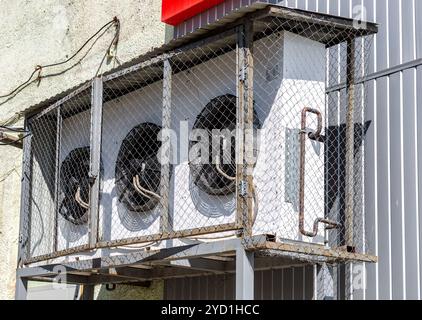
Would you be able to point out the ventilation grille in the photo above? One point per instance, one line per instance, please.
(138, 158)
(219, 115)
(74, 186)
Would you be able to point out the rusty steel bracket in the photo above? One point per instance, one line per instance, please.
(316, 136)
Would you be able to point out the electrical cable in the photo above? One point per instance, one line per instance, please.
(142, 246)
(221, 172)
(79, 200)
(144, 192)
(114, 42)
(39, 68)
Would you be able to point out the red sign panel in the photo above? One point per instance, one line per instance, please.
(176, 11)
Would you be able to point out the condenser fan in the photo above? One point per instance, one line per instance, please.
(74, 186)
(217, 177)
(138, 170)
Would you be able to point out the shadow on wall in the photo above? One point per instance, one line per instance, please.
(127, 292)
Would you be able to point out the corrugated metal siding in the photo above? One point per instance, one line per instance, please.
(393, 185)
(282, 284)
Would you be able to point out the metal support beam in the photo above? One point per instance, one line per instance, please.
(244, 274)
(21, 289)
(324, 282)
(200, 264)
(165, 220)
(249, 125)
(240, 125)
(25, 200)
(95, 152)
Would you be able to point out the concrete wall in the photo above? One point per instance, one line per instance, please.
(44, 32)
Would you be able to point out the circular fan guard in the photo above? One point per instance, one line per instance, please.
(74, 184)
(138, 157)
(220, 114)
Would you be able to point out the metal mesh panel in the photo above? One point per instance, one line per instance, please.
(204, 109)
(43, 190)
(58, 169)
(131, 205)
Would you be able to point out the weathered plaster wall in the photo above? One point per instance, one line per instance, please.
(10, 174)
(37, 32)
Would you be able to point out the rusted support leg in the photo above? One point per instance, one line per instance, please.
(244, 135)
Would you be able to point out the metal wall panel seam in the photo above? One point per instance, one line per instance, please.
(376, 190)
(402, 184)
(417, 184)
(389, 189)
(376, 218)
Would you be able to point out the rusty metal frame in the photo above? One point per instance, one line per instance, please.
(184, 261)
(350, 145)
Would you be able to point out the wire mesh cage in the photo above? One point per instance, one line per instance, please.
(131, 203)
(256, 129)
(57, 166)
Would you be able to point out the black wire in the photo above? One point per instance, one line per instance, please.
(14, 142)
(17, 88)
(83, 46)
(13, 129)
(114, 41)
(39, 67)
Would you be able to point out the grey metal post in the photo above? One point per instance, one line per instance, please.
(324, 282)
(21, 289)
(21, 285)
(244, 274)
(57, 177)
(24, 241)
(95, 152)
(165, 221)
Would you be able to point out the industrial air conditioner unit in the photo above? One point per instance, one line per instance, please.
(200, 195)
(300, 187)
